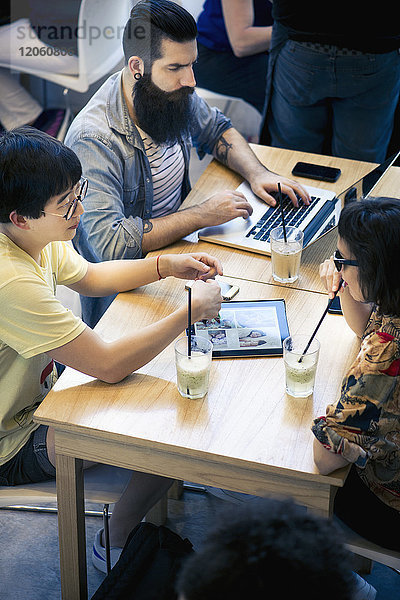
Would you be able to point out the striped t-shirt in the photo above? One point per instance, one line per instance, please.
(167, 170)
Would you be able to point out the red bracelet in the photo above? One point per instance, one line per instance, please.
(158, 270)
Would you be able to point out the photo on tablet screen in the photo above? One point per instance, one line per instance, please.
(252, 328)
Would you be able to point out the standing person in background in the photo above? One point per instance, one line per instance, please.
(333, 78)
(233, 43)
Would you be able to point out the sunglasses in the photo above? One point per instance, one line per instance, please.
(340, 261)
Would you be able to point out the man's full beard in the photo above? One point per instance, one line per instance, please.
(165, 116)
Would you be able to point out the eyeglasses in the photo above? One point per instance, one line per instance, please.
(79, 197)
(340, 261)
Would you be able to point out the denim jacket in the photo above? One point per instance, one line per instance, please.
(120, 192)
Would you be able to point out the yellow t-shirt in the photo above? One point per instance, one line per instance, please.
(32, 322)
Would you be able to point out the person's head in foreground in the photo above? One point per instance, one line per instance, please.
(160, 49)
(369, 250)
(40, 186)
(268, 549)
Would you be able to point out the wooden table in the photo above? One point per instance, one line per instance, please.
(246, 435)
(256, 267)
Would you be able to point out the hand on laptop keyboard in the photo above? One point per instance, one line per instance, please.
(272, 217)
(224, 206)
(265, 183)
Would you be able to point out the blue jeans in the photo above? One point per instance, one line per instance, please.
(31, 464)
(225, 73)
(326, 101)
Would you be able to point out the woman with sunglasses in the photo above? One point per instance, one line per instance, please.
(363, 427)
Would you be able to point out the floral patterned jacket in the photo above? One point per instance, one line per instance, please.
(364, 424)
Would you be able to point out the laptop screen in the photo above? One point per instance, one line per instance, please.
(365, 186)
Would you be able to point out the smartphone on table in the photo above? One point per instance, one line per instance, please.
(335, 308)
(311, 171)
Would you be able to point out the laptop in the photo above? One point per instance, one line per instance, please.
(317, 219)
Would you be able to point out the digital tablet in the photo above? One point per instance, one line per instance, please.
(246, 328)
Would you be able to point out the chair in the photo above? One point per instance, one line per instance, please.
(103, 484)
(245, 118)
(370, 551)
(100, 28)
(68, 297)
(98, 55)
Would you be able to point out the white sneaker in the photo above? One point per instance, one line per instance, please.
(362, 589)
(99, 554)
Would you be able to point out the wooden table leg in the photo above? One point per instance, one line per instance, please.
(159, 513)
(71, 527)
(175, 492)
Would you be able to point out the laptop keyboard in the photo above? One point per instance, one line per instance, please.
(272, 217)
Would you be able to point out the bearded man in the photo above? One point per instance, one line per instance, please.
(134, 137)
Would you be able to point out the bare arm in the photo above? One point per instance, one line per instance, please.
(112, 277)
(112, 361)
(233, 151)
(244, 38)
(162, 231)
(327, 461)
(219, 208)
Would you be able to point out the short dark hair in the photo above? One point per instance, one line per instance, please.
(267, 548)
(150, 22)
(371, 230)
(34, 167)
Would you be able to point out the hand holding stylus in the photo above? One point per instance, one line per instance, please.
(331, 278)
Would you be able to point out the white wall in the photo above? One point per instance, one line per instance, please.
(193, 6)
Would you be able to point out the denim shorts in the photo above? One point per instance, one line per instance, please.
(31, 464)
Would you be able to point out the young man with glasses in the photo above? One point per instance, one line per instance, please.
(78, 195)
(42, 192)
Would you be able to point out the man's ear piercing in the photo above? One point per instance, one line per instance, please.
(137, 76)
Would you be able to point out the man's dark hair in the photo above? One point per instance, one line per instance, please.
(371, 230)
(265, 550)
(150, 22)
(34, 167)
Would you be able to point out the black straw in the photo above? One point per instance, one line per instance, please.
(281, 209)
(189, 335)
(189, 289)
(318, 326)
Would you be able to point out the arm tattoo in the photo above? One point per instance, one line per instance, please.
(147, 226)
(222, 149)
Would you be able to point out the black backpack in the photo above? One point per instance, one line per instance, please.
(148, 566)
